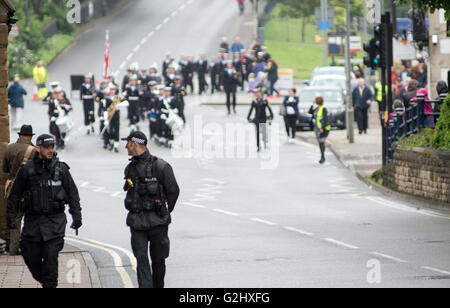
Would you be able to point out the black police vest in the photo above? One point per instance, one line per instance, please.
(45, 194)
(145, 193)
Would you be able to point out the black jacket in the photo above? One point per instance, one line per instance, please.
(260, 107)
(46, 187)
(136, 170)
(87, 94)
(359, 101)
(230, 81)
(293, 104)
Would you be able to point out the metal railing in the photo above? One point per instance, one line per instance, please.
(409, 121)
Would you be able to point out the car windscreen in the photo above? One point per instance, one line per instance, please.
(308, 96)
(331, 71)
(340, 83)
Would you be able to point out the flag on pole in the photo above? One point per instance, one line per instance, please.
(106, 65)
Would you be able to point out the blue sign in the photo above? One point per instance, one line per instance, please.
(324, 25)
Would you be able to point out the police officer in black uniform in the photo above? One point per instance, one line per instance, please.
(46, 186)
(152, 192)
(87, 97)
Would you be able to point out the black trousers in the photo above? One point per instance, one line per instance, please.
(231, 95)
(202, 83)
(41, 259)
(89, 112)
(362, 119)
(261, 128)
(290, 121)
(157, 241)
(134, 113)
(54, 130)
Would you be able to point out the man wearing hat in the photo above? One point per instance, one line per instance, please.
(229, 83)
(46, 186)
(17, 154)
(152, 192)
(179, 92)
(87, 97)
(166, 64)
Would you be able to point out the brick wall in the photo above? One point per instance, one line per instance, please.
(6, 10)
(420, 172)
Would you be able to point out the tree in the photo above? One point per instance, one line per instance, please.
(299, 9)
(433, 5)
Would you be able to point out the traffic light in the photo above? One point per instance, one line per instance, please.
(369, 48)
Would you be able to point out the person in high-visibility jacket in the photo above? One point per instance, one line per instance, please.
(379, 95)
(40, 76)
(322, 124)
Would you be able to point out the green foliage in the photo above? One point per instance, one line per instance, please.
(30, 44)
(431, 4)
(420, 140)
(377, 176)
(441, 138)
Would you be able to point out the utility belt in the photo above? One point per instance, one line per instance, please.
(88, 97)
(33, 205)
(133, 98)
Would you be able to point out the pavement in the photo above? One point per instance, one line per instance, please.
(76, 270)
(244, 219)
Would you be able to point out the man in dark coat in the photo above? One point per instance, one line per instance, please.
(16, 155)
(362, 98)
(152, 192)
(229, 83)
(15, 97)
(46, 186)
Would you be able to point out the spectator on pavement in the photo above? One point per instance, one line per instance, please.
(272, 70)
(362, 98)
(410, 92)
(441, 88)
(429, 120)
(15, 97)
(40, 76)
(225, 48)
(237, 46)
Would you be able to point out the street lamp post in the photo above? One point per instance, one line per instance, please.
(349, 112)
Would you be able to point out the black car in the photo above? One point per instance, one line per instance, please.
(334, 101)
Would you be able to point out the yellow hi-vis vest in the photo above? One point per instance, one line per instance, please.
(379, 88)
(320, 119)
(40, 75)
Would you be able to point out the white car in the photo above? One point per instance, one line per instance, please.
(333, 81)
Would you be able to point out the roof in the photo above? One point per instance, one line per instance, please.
(8, 5)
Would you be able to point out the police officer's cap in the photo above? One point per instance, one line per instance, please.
(88, 76)
(138, 137)
(134, 77)
(45, 140)
(152, 83)
(257, 90)
(177, 77)
(54, 84)
(168, 89)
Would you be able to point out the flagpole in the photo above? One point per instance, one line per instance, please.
(106, 55)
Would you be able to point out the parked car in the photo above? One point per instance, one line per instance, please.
(334, 102)
(329, 70)
(339, 81)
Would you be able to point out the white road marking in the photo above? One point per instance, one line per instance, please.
(129, 56)
(225, 212)
(128, 253)
(144, 40)
(298, 231)
(213, 180)
(182, 7)
(339, 243)
(435, 270)
(175, 13)
(84, 184)
(405, 208)
(194, 205)
(388, 257)
(166, 20)
(123, 65)
(116, 194)
(263, 221)
(117, 262)
(158, 27)
(150, 34)
(136, 49)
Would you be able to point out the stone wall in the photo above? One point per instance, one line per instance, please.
(6, 11)
(420, 172)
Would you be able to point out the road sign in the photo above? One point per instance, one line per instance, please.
(285, 80)
(330, 15)
(355, 44)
